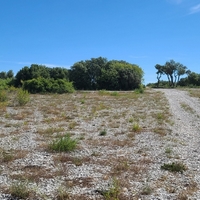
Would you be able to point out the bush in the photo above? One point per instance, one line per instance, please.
(3, 96)
(42, 85)
(140, 90)
(23, 97)
(5, 83)
(63, 144)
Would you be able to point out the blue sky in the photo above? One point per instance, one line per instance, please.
(62, 32)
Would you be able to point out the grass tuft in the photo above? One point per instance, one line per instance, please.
(63, 144)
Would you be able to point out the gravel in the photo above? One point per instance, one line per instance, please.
(140, 158)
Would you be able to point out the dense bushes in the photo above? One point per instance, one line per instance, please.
(40, 71)
(43, 85)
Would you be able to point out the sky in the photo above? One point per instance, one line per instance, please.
(59, 33)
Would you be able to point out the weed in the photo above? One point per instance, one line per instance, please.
(147, 190)
(19, 190)
(130, 120)
(168, 150)
(136, 127)
(6, 156)
(50, 131)
(114, 94)
(82, 101)
(63, 194)
(187, 108)
(63, 144)
(72, 125)
(113, 192)
(103, 132)
(174, 167)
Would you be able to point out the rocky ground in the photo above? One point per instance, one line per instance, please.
(127, 144)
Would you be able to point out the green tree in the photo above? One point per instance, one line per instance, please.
(10, 74)
(159, 73)
(98, 73)
(3, 75)
(22, 75)
(173, 70)
(59, 73)
(79, 76)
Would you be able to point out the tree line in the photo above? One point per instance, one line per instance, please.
(94, 74)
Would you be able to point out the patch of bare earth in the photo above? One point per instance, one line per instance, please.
(123, 140)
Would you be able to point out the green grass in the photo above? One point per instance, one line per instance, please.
(63, 144)
(113, 192)
(136, 127)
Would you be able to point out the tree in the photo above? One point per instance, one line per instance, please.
(173, 70)
(22, 75)
(98, 73)
(159, 73)
(10, 74)
(3, 75)
(59, 73)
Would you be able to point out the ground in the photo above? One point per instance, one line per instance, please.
(130, 145)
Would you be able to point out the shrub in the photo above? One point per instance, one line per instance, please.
(140, 90)
(43, 85)
(63, 144)
(23, 97)
(3, 96)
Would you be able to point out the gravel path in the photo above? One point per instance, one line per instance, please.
(186, 116)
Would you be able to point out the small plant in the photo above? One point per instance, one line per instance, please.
(168, 150)
(63, 144)
(174, 167)
(113, 192)
(62, 194)
(140, 90)
(23, 97)
(72, 125)
(136, 127)
(114, 94)
(7, 157)
(82, 101)
(130, 120)
(147, 190)
(19, 190)
(103, 133)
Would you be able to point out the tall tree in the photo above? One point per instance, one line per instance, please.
(173, 70)
(159, 73)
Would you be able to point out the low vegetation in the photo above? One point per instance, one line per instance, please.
(174, 167)
(63, 144)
